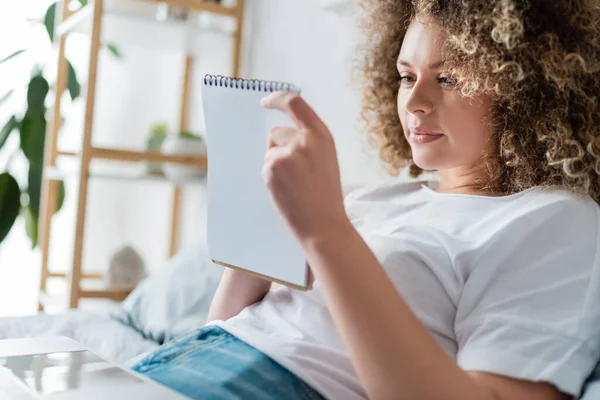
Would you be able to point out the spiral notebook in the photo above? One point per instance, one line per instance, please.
(244, 229)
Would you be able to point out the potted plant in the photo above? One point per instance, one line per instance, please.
(154, 142)
(187, 143)
(24, 197)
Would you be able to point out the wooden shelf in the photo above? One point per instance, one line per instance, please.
(182, 36)
(207, 23)
(199, 5)
(116, 294)
(55, 173)
(85, 275)
(137, 156)
(91, 286)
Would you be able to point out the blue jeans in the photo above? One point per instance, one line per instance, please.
(211, 364)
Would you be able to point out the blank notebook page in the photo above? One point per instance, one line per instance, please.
(244, 229)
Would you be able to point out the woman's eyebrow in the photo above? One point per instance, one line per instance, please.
(433, 65)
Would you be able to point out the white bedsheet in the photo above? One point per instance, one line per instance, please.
(98, 331)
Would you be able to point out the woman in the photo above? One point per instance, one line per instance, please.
(484, 286)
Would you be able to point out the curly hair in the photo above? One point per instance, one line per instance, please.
(538, 60)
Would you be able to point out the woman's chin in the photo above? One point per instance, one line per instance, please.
(427, 162)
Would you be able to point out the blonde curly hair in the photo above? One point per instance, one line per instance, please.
(538, 60)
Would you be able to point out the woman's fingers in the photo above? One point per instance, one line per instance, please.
(276, 152)
(295, 106)
(281, 136)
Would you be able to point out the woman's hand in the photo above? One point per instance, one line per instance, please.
(301, 171)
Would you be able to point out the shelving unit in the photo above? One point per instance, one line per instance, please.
(61, 173)
(144, 31)
(120, 27)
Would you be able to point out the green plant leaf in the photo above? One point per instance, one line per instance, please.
(49, 20)
(83, 2)
(36, 93)
(34, 190)
(31, 212)
(16, 53)
(31, 226)
(114, 50)
(10, 126)
(72, 84)
(34, 187)
(190, 135)
(160, 128)
(60, 193)
(6, 96)
(33, 135)
(10, 203)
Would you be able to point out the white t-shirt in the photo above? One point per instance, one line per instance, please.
(509, 285)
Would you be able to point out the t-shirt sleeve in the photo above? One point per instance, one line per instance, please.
(530, 307)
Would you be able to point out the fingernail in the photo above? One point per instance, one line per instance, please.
(263, 101)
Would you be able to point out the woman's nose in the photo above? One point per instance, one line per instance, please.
(420, 99)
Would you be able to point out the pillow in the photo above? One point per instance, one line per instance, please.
(174, 299)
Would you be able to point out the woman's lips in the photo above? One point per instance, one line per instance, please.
(422, 136)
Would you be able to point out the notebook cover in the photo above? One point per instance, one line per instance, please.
(244, 230)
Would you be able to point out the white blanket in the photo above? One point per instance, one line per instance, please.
(98, 331)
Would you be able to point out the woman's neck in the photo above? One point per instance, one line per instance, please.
(461, 179)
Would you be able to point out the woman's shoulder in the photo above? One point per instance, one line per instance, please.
(556, 212)
(560, 201)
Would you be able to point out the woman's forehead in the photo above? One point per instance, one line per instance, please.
(423, 42)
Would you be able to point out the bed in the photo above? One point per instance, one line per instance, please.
(171, 301)
(99, 331)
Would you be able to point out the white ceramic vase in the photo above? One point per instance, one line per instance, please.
(174, 144)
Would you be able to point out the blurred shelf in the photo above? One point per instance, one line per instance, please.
(91, 288)
(137, 156)
(116, 293)
(121, 27)
(56, 300)
(55, 173)
(199, 5)
(207, 26)
(85, 275)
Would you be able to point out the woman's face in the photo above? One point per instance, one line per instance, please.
(445, 129)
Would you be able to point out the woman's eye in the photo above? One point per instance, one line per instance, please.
(406, 79)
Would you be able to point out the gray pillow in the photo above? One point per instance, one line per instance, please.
(176, 298)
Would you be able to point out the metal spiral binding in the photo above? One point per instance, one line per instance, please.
(249, 84)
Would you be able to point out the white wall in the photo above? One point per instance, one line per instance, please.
(300, 42)
(289, 41)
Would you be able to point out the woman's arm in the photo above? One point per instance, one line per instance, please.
(393, 353)
(236, 291)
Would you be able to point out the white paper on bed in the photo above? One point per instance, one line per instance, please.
(244, 229)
